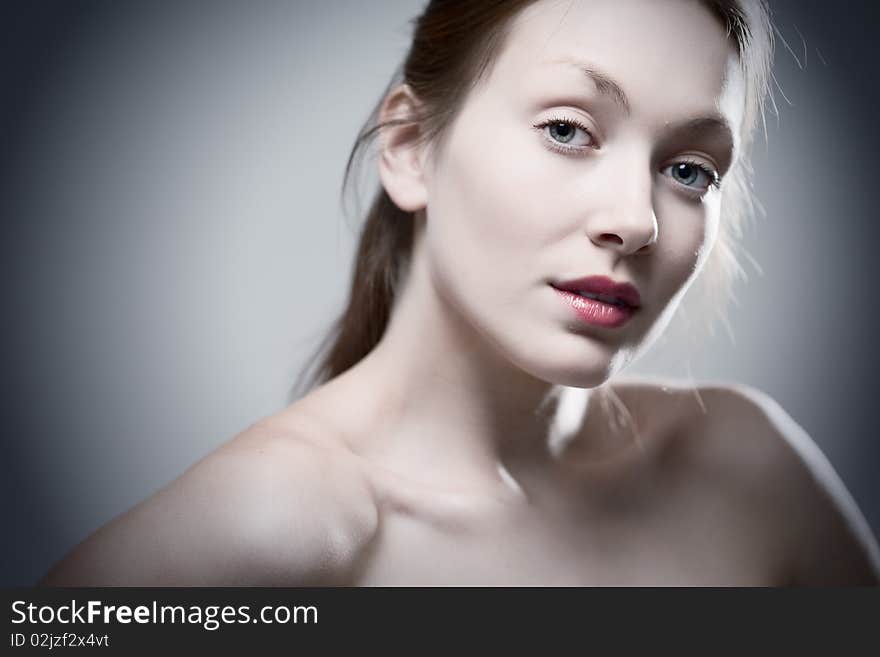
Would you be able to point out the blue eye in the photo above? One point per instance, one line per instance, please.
(689, 172)
(560, 132)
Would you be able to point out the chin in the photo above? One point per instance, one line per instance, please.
(582, 379)
(585, 367)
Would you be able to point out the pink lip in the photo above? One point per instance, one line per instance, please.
(625, 292)
(595, 312)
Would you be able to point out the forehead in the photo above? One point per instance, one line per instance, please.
(671, 58)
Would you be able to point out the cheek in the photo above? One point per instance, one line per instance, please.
(484, 213)
(687, 233)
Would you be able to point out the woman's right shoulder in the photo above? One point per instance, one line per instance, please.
(278, 504)
(299, 495)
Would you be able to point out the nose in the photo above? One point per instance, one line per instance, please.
(625, 222)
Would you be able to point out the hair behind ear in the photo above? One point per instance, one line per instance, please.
(381, 262)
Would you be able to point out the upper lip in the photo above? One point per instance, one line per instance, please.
(622, 291)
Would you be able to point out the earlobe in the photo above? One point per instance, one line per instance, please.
(400, 156)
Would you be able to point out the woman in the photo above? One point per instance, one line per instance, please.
(552, 176)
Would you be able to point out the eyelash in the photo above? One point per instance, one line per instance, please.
(558, 147)
(714, 179)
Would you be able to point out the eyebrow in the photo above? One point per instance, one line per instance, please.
(609, 87)
(605, 84)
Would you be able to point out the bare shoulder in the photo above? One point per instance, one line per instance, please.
(743, 441)
(276, 505)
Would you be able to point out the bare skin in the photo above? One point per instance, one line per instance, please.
(445, 456)
(721, 497)
(700, 487)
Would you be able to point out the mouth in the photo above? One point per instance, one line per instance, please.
(596, 312)
(610, 306)
(604, 290)
(604, 298)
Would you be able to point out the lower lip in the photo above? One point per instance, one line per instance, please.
(596, 313)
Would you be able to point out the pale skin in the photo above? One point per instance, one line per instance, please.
(446, 456)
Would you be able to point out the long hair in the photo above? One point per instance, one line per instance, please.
(454, 45)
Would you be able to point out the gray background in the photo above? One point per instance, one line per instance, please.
(174, 247)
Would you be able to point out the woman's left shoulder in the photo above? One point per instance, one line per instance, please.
(745, 438)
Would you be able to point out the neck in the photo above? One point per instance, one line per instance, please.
(447, 408)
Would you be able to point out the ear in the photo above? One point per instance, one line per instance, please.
(401, 167)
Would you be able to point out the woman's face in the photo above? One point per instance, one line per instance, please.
(589, 150)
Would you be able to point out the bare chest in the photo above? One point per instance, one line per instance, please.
(690, 542)
(663, 518)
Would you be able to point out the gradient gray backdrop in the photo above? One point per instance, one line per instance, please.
(174, 244)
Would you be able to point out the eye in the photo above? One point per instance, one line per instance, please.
(561, 135)
(694, 175)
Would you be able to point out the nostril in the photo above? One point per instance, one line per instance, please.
(611, 237)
